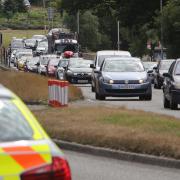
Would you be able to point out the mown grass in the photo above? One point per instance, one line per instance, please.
(31, 87)
(8, 34)
(121, 129)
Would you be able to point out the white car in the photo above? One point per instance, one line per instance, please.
(39, 37)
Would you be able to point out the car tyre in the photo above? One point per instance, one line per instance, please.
(148, 97)
(166, 102)
(100, 97)
(141, 98)
(92, 89)
(173, 105)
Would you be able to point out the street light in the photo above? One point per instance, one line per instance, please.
(161, 7)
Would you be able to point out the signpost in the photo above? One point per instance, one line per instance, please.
(51, 15)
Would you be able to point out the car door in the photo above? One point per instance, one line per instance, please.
(168, 81)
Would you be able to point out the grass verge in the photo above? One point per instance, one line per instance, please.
(121, 129)
(31, 87)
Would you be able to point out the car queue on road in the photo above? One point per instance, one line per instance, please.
(126, 76)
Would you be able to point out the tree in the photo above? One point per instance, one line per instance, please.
(9, 8)
(171, 28)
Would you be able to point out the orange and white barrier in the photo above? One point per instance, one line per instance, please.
(58, 93)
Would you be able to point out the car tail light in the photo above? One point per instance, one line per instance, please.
(58, 170)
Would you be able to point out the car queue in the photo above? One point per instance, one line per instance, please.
(111, 74)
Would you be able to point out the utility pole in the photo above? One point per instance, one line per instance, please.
(44, 7)
(118, 43)
(161, 7)
(78, 25)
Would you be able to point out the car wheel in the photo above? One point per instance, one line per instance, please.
(148, 97)
(158, 86)
(92, 89)
(100, 97)
(173, 105)
(141, 98)
(166, 102)
(97, 96)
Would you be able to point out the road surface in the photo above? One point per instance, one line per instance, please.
(88, 167)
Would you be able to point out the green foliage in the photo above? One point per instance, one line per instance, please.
(89, 36)
(171, 27)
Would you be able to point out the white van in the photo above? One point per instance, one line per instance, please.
(100, 56)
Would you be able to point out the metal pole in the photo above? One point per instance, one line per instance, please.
(118, 36)
(161, 7)
(78, 24)
(44, 7)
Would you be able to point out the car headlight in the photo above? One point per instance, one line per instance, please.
(69, 72)
(141, 81)
(108, 81)
(75, 74)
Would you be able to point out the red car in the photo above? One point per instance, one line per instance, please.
(52, 66)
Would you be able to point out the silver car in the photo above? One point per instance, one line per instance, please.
(122, 77)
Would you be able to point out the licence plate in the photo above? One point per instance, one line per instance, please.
(127, 86)
(82, 81)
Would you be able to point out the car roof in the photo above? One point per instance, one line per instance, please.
(167, 60)
(122, 58)
(5, 93)
(113, 52)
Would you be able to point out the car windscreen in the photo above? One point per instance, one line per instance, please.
(13, 125)
(30, 41)
(164, 65)
(177, 69)
(44, 61)
(122, 66)
(25, 54)
(63, 63)
(43, 44)
(33, 61)
(102, 57)
(66, 47)
(149, 65)
(80, 64)
(54, 62)
(17, 45)
(37, 37)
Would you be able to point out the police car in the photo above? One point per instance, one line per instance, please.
(26, 151)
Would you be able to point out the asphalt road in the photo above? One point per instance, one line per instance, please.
(156, 105)
(88, 167)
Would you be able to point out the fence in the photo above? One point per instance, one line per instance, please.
(4, 60)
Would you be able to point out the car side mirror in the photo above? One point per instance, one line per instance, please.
(92, 66)
(155, 68)
(97, 71)
(150, 71)
(167, 75)
(38, 64)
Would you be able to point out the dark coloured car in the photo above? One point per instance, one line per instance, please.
(122, 77)
(31, 64)
(162, 67)
(79, 71)
(171, 86)
(149, 66)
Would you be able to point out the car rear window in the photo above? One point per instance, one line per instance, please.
(13, 125)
